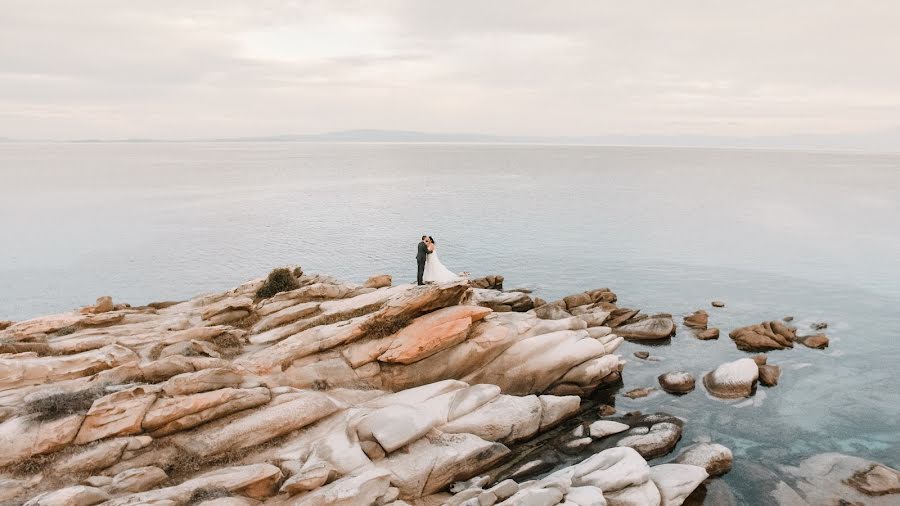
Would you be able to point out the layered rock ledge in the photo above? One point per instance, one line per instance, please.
(324, 393)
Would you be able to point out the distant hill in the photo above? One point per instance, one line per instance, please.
(885, 141)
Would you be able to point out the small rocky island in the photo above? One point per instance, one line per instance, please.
(300, 389)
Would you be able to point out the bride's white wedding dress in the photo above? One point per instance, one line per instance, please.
(435, 272)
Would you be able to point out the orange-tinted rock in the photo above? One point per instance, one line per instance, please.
(698, 320)
(382, 281)
(769, 374)
(772, 335)
(432, 333)
(708, 334)
(818, 341)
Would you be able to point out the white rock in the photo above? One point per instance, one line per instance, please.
(732, 379)
(603, 428)
(676, 481)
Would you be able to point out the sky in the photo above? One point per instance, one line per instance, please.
(198, 69)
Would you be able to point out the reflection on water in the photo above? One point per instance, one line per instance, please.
(770, 233)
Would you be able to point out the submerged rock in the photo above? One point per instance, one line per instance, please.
(715, 458)
(834, 478)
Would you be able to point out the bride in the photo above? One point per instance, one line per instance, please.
(435, 272)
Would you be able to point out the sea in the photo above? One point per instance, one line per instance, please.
(812, 235)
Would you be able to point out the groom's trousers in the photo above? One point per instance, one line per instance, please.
(421, 271)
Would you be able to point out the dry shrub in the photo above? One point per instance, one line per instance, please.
(279, 280)
(205, 494)
(377, 328)
(60, 404)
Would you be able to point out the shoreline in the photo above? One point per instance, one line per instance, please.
(331, 388)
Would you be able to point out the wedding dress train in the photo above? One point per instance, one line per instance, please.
(435, 272)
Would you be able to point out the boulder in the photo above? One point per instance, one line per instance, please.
(649, 329)
(772, 335)
(769, 375)
(603, 428)
(715, 458)
(643, 355)
(379, 281)
(818, 341)
(637, 393)
(551, 312)
(493, 282)
(718, 303)
(500, 301)
(104, 304)
(697, 320)
(732, 379)
(676, 481)
(708, 334)
(658, 441)
(676, 382)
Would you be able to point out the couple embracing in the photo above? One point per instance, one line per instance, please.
(430, 269)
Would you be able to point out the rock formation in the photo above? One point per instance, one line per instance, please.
(323, 393)
(732, 379)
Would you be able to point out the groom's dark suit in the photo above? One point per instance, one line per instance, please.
(420, 260)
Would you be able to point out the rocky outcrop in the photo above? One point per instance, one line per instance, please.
(325, 393)
(732, 379)
(616, 476)
(772, 335)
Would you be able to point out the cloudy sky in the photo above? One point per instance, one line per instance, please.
(197, 68)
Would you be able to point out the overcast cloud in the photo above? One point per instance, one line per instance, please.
(195, 68)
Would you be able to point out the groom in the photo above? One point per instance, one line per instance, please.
(421, 254)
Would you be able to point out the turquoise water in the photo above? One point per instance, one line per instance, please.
(771, 233)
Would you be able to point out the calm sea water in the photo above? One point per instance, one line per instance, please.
(812, 235)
